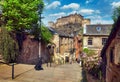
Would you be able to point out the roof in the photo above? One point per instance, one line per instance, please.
(98, 29)
(112, 35)
(67, 30)
(52, 30)
(59, 32)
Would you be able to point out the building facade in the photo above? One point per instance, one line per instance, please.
(95, 36)
(111, 55)
(63, 43)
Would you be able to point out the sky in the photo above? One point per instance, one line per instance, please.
(99, 11)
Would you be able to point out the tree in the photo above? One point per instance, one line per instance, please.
(116, 14)
(8, 47)
(20, 14)
(46, 35)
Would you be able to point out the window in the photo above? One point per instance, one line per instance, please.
(98, 29)
(90, 41)
(104, 41)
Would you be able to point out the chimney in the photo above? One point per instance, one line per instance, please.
(84, 29)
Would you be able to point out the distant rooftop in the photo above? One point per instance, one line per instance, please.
(98, 29)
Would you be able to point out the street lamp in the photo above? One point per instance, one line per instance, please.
(38, 66)
(40, 8)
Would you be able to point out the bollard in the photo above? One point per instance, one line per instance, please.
(13, 71)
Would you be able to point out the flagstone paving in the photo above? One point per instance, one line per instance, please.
(27, 73)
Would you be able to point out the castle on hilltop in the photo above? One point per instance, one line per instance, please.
(70, 19)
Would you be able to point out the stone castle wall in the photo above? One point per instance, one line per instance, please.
(73, 18)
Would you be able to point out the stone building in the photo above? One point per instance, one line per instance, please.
(70, 19)
(95, 36)
(63, 43)
(78, 45)
(111, 55)
(71, 25)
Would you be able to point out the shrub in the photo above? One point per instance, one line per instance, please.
(8, 47)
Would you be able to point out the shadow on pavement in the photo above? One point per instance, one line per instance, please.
(84, 77)
(22, 73)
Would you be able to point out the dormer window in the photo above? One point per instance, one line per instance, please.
(98, 29)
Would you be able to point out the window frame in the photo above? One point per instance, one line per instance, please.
(104, 40)
(90, 41)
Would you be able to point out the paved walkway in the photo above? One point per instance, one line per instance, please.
(27, 73)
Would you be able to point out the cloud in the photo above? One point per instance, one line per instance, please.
(73, 6)
(94, 17)
(53, 5)
(86, 11)
(89, 11)
(101, 21)
(115, 4)
(58, 14)
(87, 1)
(73, 12)
(97, 11)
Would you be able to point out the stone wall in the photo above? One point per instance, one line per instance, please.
(72, 18)
(113, 60)
(86, 22)
(30, 51)
(96, 42)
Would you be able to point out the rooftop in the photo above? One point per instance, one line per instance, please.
(98, 29)
(67, 30)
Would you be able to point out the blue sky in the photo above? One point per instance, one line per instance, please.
(99, 11)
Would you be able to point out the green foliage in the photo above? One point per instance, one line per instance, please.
(46, 34)
(116, 13)
(20, 14)
(42, 32)
(89, 52)
(85, 50)
(8, 46)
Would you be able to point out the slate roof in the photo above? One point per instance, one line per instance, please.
(59, 32)
(98, 29)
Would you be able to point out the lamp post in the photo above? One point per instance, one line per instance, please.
(40, 7)
(38, 66)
